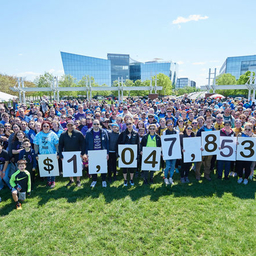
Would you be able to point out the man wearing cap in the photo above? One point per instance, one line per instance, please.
(71, 140)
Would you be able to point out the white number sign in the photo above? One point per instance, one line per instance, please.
(228, 149)
(171, 146)
(128, 156)
(48, 165)
(246, 148)
(151, 159)
(192, 150)
(97, 161)
(210, 142)
(72, 164)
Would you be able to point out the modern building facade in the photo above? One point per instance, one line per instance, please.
(106, 71)
(237, 66)
(182, 82)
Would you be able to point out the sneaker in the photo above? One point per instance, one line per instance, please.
(125, 183)
(78, 183)
(70, 183)
(18, 206)
(93, 184)
(235, 174)
(245, 182)
(187, 180)
(53, 184)
(231, 174)
(131, 182)
(166, 181)
(171, 181)
(182, 180)
(48, 184)
(240, 180)
(104, 184)
(250, 177)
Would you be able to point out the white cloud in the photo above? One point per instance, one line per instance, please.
(180, 62)
(199, 63)
(28, 75)
(194, 17)
(20, 54)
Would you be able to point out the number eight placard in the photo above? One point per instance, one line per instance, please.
(72, 164)
(48, 165)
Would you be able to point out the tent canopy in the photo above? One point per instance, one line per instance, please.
(6, 97)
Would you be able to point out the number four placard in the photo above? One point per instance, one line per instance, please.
(150, 159)
(48, 165)
(72, 164)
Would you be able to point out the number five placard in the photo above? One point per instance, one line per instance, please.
(171, 146)
(150, 159)
(48, 165)
(227, 149)
(72, 164)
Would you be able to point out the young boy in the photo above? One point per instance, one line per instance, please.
(28, 154)
(20, 182)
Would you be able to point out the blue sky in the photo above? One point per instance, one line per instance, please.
(196, 34)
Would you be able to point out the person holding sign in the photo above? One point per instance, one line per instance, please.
(46, 142)
(129, 136)
(185, 167)
(170, 164)
(152, 139)
(226, 131)
(20, 182)
(71, 140)
(245, 165)
(97, 139)
(206, 161)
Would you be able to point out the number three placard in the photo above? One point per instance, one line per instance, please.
(150, 159)
(246, 148)
(72, 164)
(48, 165)
(171, 146)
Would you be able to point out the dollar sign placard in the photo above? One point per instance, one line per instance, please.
(49, 167)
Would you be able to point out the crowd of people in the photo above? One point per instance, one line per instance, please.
(27, 131)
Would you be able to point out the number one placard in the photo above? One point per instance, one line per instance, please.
(72, 164)
(48, 165)
(150, 159)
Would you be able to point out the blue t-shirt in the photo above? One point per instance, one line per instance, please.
(46, 142)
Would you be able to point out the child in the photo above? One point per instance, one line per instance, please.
(28, 154)
(20, 182)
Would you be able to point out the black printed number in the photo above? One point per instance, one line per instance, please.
(250, 148)
(171, 145)
(131, 156)
(73, 158)
(210, 140)
(223, 146)
(153, 161)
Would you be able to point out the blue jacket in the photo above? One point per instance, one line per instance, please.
(89, 145)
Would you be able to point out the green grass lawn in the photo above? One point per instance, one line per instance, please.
(200, 218)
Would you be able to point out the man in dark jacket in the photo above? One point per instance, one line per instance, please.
(97, 139)
(71, 140)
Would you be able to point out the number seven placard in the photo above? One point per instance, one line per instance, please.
(171, 146)
(72, 164)
(48, 165)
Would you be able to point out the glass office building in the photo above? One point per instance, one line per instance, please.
(184, 81)
(79, 66)
(106, 71)
(119, 66)
(237, 66)
(144, 71)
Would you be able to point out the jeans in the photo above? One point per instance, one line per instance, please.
(51, 179)
(170, 165)
(220, 164)
(6, 178)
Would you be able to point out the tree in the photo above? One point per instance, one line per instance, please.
(245, 78)
(186, 90)
(68, 81)
(165, 82)
(44, 80)
(225, 79)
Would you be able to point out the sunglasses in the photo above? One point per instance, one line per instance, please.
(128, 123)
(189, 128)
(96, 124)
(247, 129)
(46, 126)
(152, 129)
